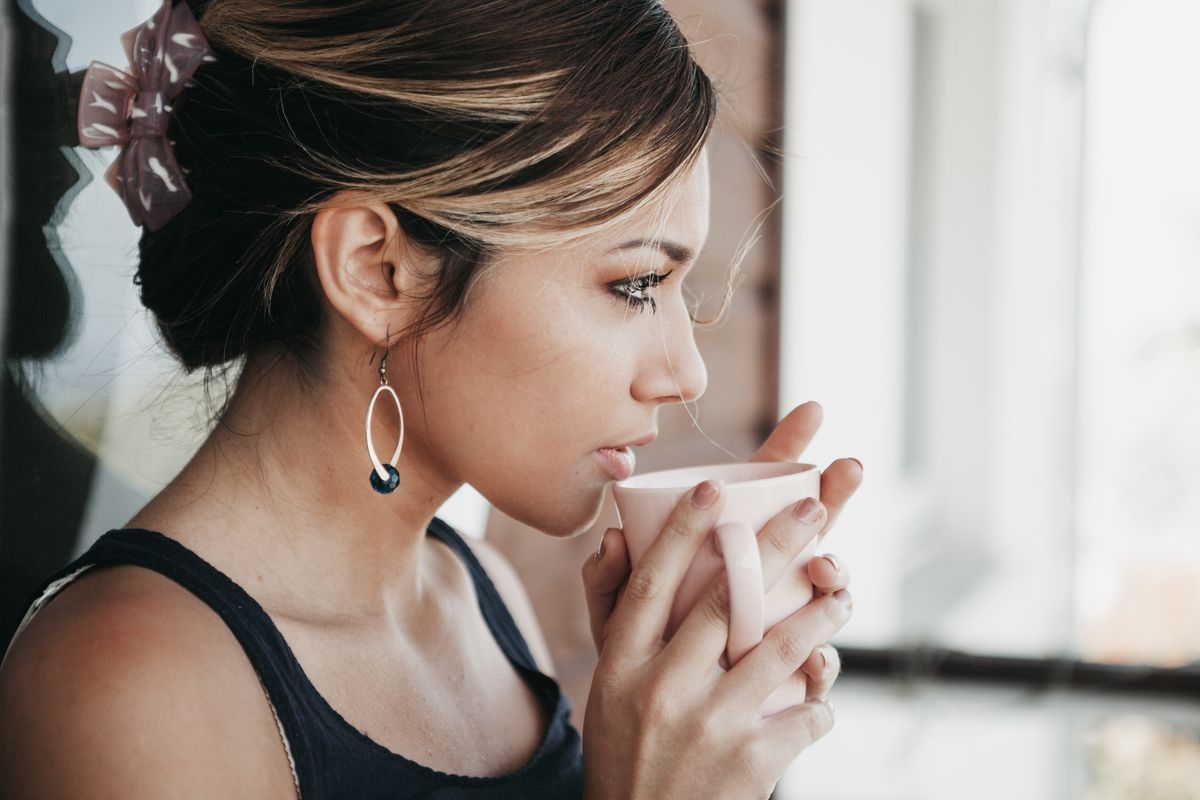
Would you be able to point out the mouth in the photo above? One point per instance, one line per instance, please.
(618, 461)
(647, 439)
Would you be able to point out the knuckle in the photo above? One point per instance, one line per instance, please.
(754, 763)
(713, 728)
(716, 731)
(792, 646)
(680, 524)
(835, 610)
(815, 722)
(716, 604)
(826, 720)
(643, 586)
(778, 537)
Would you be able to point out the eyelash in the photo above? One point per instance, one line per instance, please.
(641, 284)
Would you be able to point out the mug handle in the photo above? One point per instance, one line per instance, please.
(743, 566)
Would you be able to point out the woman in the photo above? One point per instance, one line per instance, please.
(488, 210)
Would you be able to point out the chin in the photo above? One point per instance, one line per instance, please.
(560, 517)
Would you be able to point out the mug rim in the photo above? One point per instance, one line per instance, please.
(627, 485)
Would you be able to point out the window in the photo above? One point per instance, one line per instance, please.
(992, 283)
(1139, 481)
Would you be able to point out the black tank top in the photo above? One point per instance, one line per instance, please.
(330, 757)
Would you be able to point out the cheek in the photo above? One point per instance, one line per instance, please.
(541, 373)
(544, 347)
(525, 400)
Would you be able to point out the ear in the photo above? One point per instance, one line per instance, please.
(365, 265)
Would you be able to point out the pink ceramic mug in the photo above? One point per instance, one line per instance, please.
(754, 492)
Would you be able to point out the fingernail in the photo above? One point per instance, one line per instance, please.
(860, 466)
(807, 510)
(833, 563)
(704, 495)
(824, 658)
(600, 549)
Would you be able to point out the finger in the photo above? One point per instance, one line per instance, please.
(603, 576)
(640, 617)
(703, 636)
(827, 574)
(784, 649)
(839, 482)
(786, 734)
(792, 434)
(821, 670)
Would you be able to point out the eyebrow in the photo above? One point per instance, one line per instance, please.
(675, 251)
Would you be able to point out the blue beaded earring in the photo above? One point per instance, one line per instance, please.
(384, 477)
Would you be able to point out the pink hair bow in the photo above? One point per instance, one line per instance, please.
(132, 111)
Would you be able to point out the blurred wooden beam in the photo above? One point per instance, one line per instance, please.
(935, 664)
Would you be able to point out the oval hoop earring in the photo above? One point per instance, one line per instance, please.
(384, 477)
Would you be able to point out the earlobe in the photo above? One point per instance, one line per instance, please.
(361, 260)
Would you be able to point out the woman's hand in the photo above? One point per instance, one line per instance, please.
(662, 722)
(604, 579)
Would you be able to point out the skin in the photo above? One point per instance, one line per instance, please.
(545, 366)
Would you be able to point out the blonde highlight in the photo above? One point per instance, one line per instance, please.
(479, 133)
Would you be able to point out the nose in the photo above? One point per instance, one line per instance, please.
(674, 370)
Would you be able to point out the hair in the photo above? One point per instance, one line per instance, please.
(483, 124)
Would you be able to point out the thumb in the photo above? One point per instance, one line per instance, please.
(602, 579)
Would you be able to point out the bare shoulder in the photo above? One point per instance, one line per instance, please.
(125, 684)
(512, 591)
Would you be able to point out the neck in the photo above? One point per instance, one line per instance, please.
(283, 482)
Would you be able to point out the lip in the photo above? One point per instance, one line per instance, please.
(618, 462)
(647, 439)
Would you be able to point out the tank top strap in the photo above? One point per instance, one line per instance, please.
(495, 612)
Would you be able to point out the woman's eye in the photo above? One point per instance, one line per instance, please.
(633, 292)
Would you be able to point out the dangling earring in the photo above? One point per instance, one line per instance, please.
(384, 477)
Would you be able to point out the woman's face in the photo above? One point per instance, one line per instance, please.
(551, 360)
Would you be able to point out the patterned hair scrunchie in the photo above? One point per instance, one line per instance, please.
(132, 110)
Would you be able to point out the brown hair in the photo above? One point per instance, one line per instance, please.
(482, 123)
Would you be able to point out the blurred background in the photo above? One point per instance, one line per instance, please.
(971, 231)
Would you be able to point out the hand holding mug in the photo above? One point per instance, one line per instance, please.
(657, 724)
(605, 578)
